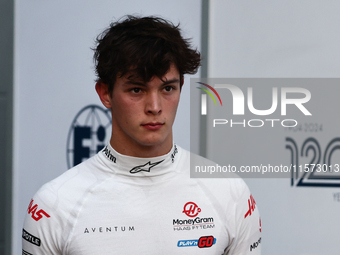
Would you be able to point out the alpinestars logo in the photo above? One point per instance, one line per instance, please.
(36, 215)
(146, 167)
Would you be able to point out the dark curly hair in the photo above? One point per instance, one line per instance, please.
(146, 46)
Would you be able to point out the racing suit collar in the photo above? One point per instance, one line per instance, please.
(134, 166)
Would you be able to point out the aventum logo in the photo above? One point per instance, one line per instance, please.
(146, 167)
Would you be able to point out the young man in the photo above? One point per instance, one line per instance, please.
(136, 196)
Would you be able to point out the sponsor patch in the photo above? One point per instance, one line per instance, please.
(109, 229)
(174, 154)
(36, 214)
(109, 155)
(251, 205)
(26, 253)
(30, 238)
(146, 167)
(255, 245)
(191, 209)
(202, 242)
(206, 241)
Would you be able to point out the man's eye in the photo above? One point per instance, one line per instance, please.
(168, 88)
(136, 90)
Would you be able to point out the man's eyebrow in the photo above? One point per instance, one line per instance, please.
(139, 83)
(175, 80)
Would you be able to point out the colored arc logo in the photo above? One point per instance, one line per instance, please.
(209, 93)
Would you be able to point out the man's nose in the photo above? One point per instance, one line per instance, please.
(153, 104)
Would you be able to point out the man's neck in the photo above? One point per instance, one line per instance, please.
(140, 150)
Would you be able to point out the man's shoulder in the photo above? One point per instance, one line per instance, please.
(69, 187)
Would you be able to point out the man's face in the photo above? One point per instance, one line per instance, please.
(143, 113)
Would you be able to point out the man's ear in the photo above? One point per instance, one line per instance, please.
(104, 94)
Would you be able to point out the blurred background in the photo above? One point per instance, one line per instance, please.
(52, 119)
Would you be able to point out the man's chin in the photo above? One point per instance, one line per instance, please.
(149, 143)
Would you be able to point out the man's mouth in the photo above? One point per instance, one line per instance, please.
(153, 125)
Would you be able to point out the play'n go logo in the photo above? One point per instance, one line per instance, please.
(88, 134)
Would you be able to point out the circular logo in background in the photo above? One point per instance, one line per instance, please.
(89, 133)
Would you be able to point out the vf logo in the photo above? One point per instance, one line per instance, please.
(88, 134)
(191, 209)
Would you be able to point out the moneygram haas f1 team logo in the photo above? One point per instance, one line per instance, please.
(89, 132)
(191, 209)
(195, 222)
